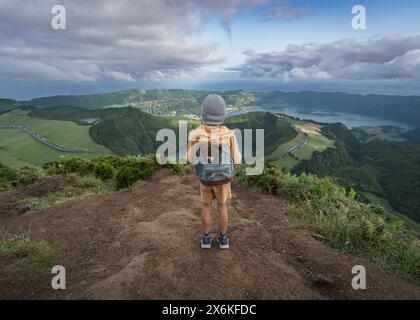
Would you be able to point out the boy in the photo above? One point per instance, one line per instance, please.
(209, 135)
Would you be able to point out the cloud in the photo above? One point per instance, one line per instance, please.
(374, 59)
(227, 10)
(123, 40)
(119, 40)
(283, 11)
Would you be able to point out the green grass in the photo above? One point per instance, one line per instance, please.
(19, 148)
(80, 187)
(285, 147)
(288, 162)
(36, 257)
(316, 143)
(64, 133)
(291, 121)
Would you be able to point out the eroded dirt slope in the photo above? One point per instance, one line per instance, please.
(143, 243)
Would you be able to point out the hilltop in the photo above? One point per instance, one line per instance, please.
(143, 243)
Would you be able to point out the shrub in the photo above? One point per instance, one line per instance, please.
(114, 161)
(27, 174)
(73, 165)
(129, 169)
(12, 176)
(104, 171)
(268, 181)
(135, 171)
(8, 174)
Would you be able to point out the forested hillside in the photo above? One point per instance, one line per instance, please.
(413, 136)
(276, 130)
(382, 168)
(130, 131)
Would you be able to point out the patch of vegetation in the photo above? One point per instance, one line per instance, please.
(129, 131)
(64, 133)
(383, 168)
(391, 133)
(347, 224)
(7, 104)
(19, 148)
(13, 176)
(413, 136)
(316, 142)
(120, 172)
(62, 180)
(76, 186)
(276, 130)
(36, 257)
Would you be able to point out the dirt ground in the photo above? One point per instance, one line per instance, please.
(310, 127)
(143, 243)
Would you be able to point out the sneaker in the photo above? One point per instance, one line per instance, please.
(206, 241)
(223, 241)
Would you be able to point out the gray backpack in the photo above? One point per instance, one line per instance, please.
(220, 172)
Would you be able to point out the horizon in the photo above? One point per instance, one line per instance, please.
(222, 87)
(257, 45)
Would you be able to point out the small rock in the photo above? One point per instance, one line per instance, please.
(300, 259)
(322, 279)
(318, 237)
(23, 209)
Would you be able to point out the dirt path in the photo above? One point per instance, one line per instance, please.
(144, 244)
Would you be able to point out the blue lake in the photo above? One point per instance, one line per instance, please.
(326, 116)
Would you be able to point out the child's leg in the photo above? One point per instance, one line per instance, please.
(206, 220)
(223, 217)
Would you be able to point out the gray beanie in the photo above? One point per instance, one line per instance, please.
(213, 110)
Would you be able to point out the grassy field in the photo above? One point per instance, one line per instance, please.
(285, 147)
(317, 142)
(382, 133)
(287, 162)
(292, 121)
(64, 133)
(19, 148)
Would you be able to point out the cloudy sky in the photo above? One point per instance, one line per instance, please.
(258, 44)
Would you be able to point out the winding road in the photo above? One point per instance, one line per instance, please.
(296, 148)
(49, 143)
